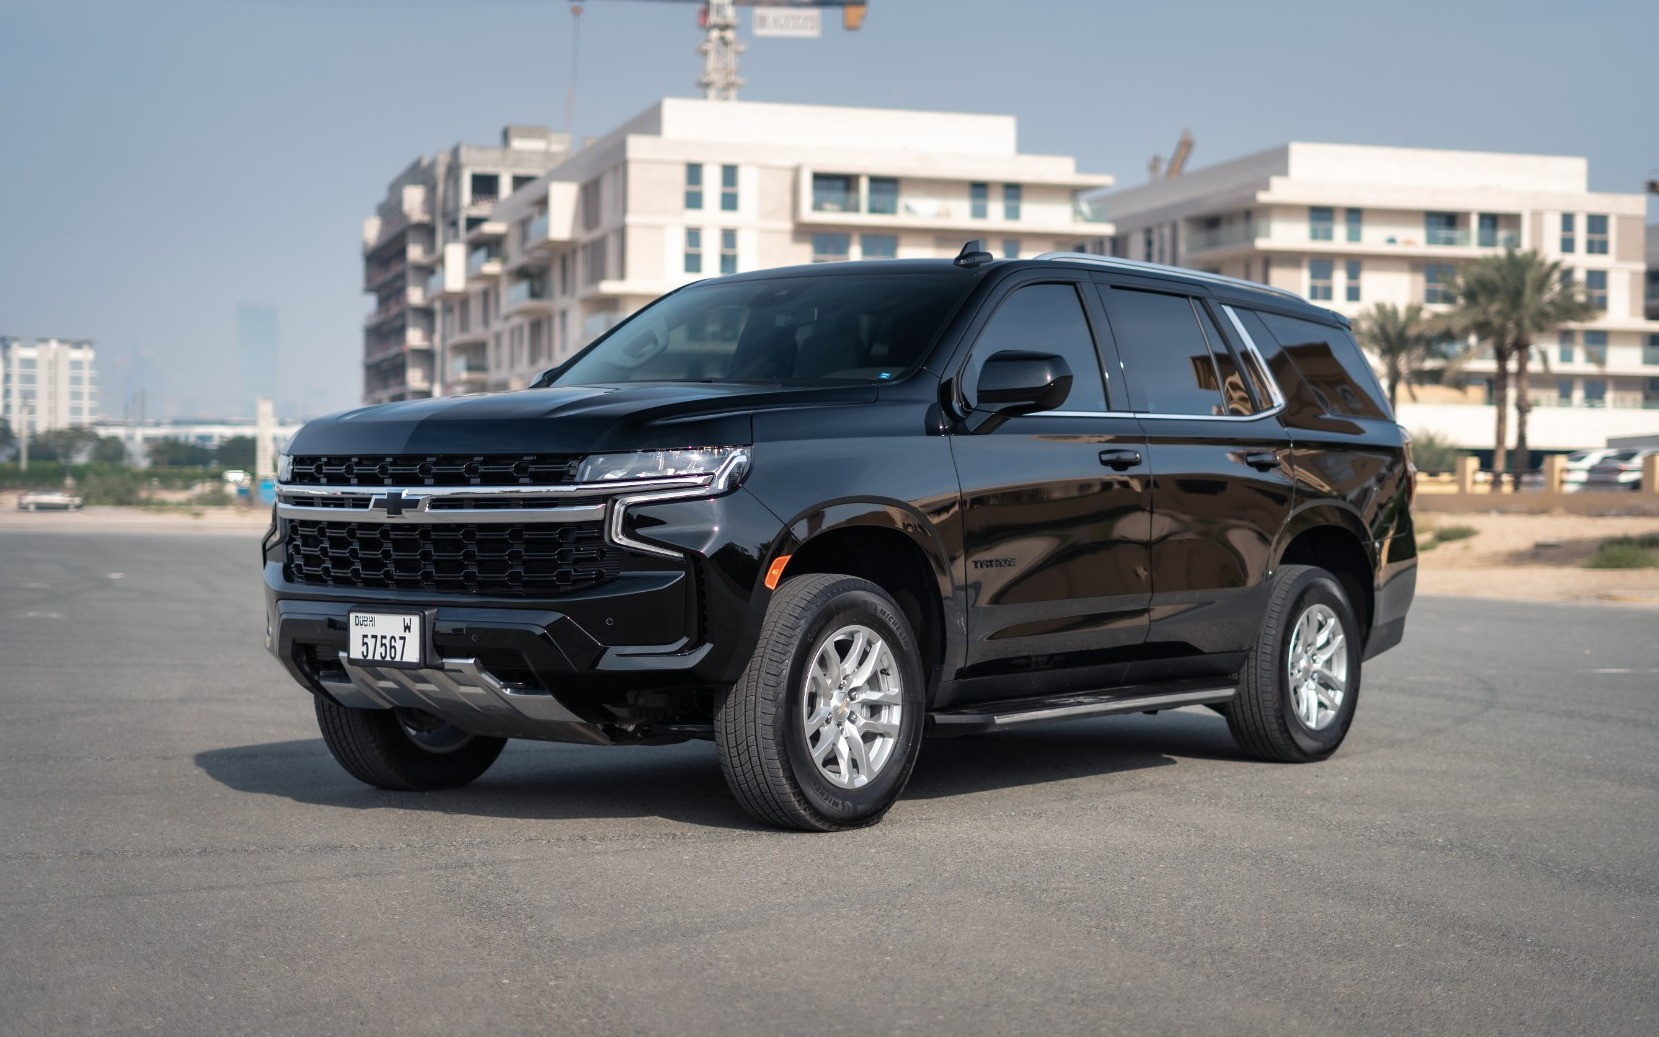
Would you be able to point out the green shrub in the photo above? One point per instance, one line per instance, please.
(1446, 534)
(1432, 452)
(1638, 552)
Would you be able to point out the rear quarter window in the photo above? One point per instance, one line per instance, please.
(1326, 361)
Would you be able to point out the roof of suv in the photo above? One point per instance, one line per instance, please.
(1261, 294)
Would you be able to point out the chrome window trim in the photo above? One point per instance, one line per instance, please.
(1262, 369)
(1135, 266)
(1156, 417)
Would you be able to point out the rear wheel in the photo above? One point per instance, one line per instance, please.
(403, 749)
(1300, 684)
(822, 731)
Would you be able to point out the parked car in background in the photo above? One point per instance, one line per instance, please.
(47, 500)
(1579, 463)
(1620, 470)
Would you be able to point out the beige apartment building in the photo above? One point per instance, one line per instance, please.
(1351, 225)
(692, 188)
(437, 200)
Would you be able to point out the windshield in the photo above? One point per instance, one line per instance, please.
(788, 330)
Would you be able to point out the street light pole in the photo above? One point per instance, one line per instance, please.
(23, 437)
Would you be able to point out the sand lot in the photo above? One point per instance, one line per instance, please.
(1511, 557)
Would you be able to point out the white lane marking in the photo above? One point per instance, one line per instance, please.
(42, 615)
(36, 586)
(116, 576)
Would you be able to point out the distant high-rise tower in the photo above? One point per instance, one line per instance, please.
(256, 355)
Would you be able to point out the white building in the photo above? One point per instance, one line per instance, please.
(54, 379)
(1351, 225)
(692, 188)
(436, 200)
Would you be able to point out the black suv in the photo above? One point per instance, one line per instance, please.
(816, 513)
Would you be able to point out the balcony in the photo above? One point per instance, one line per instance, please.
(528, 294)
(377, 274)
(1228, 235)
(1445, 236)
(392, 309)
(483, 261)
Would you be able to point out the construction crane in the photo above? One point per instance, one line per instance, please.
(1177, 161)
(720, 47)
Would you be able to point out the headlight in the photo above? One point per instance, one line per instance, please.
(664, 464)
(285, 467)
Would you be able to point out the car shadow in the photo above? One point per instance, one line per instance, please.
(552, 781)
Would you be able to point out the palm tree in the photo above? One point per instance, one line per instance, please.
(1509, 301)
(1400, 338)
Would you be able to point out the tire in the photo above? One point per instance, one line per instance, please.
(403, 750)
(1269, 717)
(815, 624)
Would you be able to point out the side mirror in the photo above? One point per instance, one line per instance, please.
(1014, 382)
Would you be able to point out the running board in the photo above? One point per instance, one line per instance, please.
(997, 716)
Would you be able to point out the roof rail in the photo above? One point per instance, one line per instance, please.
(1135, 266)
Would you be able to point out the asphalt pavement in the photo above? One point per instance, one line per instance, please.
(179, 854)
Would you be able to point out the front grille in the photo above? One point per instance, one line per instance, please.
(434, 469)
(520, 560)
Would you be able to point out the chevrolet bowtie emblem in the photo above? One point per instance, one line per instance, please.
(395, 503)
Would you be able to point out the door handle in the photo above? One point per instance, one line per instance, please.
(1120, 460)
(1263, 460)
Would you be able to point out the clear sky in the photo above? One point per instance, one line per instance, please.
(162, 161)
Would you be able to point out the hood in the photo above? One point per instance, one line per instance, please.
(573, 420)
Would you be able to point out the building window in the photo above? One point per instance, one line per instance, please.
(1650, 394)
(883, 195)
(1565, 350)
(833, 192)
(1146, 244)
(1488, 232)
(831, 248)
(1595, 392)
(1568, 243)
(1440, 228)
(879, 246)
(1595, 234)
(1650, 350)
(728, 188)
(1595, 288)
(1010, 248)
(1319, 278)
(728, 252)
(1011, 201)
(979, 204)
(1564, 392)
(1321, 223)
(1437, 282)
(693, 251)
(1356, 223)
(1595, 347)
(693, 185)
(1352, 271)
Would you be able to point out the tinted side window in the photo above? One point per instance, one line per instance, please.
(1165, 355)
(1048, 318)
(1332, 365)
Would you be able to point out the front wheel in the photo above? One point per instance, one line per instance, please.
(405, 750)
(822, 731)
(1300, 683)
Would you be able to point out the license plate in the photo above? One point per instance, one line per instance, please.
(385, 637)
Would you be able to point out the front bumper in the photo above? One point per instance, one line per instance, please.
(639, 658)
